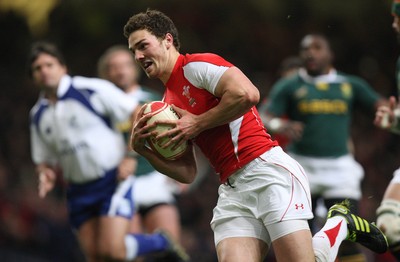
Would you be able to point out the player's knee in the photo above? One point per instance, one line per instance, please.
(388, 219)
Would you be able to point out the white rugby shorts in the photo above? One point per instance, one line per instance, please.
(153, 188)
(333, 177)
(270, 191)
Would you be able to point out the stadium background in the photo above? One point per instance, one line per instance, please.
(254, 35)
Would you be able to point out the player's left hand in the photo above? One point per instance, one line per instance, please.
(47, 180)
(186, 128)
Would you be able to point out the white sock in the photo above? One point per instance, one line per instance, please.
(131, 247)
(326, 242)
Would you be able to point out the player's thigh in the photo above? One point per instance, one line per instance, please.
(113, 230)
(115, 216)
(239, 249)
(135, 225)
(240, 238)
(296, 246)
(87, 236)
(165, 216)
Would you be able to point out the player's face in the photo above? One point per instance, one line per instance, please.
(151, 53)
(122, 70)
(47, 71)
(316, 55)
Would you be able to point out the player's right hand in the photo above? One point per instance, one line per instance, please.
(47, 180)
(384, 116)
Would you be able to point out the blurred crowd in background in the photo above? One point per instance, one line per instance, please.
(254, 35)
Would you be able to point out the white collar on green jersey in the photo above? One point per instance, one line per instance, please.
(330, 77)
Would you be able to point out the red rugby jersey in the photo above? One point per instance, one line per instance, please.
(232, 145)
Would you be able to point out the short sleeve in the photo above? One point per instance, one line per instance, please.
(110, 100)
(204, 75)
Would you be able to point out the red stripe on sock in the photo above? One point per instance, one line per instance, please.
(333, 233)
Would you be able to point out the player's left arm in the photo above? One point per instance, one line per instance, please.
(365, 95)
(237, 96)
(183, 170)
(46, 179)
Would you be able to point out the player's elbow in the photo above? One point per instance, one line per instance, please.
(189, 176)
(249, 98)
(183, 173)
(186, 178)
(254, 97)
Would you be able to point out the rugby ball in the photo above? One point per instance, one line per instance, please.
(163, 111)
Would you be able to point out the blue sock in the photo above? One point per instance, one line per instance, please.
(149, 243)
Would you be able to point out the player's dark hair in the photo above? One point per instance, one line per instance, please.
(156, 22)
(41, 47)
(104, 60)
(320, 36)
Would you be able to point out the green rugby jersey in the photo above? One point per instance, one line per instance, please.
(324, 104)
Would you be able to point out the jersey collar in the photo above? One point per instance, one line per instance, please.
(330, 77)
(64, 85)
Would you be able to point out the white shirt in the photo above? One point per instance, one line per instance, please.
(79, 131)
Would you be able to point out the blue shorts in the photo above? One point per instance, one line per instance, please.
(103, 197)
